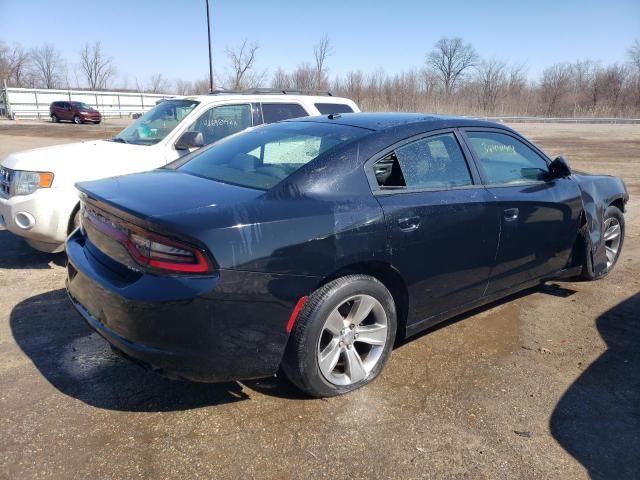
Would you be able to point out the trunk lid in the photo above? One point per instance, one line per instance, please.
(165, 192)
(116, 207)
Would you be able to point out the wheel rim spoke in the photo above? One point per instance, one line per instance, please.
(335, 323)
(372, 334)
(611, 254)
(354, 368)
(612, 232)
(329, 356)
(360, 309)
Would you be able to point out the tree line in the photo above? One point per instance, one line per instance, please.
(452, 78)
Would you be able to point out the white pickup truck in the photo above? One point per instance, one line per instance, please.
(38, 200)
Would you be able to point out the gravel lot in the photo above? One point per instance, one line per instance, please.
(544, 385)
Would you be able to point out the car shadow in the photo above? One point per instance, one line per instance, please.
(79, 363)
(597, 420)
(17, 254)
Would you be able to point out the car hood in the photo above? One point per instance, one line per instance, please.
(165, 193)
(85, 160)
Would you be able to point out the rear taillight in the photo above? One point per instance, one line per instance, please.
(149, 249)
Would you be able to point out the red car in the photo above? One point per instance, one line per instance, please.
(76, 112)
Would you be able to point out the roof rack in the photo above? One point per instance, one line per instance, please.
(271, 91)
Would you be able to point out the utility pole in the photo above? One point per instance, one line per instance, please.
(210, 60)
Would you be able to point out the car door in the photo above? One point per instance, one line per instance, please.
(442, 223)
(538, 214)
(222, 120)
(65, 111)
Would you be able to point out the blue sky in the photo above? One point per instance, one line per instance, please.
(145, 36)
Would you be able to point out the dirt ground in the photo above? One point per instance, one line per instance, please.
(543, 385)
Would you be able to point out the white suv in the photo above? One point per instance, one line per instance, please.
(38, 200)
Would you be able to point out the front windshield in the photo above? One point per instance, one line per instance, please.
(263, 157)
(83, 107)
(157, 123)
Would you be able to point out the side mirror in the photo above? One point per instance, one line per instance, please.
(190, 140)
(559, 168)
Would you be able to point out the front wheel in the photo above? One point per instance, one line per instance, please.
(613, 230)
(77, 120)
(342, 338)
(54, 118)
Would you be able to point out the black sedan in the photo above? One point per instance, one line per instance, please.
(313, 245)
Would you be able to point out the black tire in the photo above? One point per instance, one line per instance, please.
(300, 363)
(77, 120)
(54, 118)
(75, 220)
(584, 246)
(98, 122)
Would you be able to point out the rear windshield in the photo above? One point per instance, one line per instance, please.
(327, 108)
(262, 157)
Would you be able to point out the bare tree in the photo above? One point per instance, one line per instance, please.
(634, 60)
(555, 83)
(634, 55)
(14, 64)
(183, 87)
(281, 79)
(321, 51)
(48, 66)
(492, 81)
(451, 58)
(96, 67)
(303, 77)
(243, 72)
(201, 87)
(354, 85)
(611, 80)
(158, 83)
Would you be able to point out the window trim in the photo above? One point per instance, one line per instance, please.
(378, 190)
(480, 168)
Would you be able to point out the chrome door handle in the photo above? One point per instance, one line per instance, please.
(511, 214)
(409, 224)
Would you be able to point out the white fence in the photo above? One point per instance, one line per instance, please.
(34, 102)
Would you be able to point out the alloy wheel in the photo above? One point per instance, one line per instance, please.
(352, 340)
(612, 239)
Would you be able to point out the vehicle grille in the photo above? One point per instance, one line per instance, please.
(5, 181)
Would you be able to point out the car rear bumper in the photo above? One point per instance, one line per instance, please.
(228, 326)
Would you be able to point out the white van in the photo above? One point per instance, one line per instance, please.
(38, 200)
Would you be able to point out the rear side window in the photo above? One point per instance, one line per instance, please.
(327, 108)
(505, 159)
(274, 112)
(435, 162)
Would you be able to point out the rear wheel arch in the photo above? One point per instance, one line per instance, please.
(390, 278)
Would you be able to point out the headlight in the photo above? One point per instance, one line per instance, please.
(24, 182)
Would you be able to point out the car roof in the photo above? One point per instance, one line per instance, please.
(388, 120)
(262, 97)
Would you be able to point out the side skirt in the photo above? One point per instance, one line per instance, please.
(421, 325)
